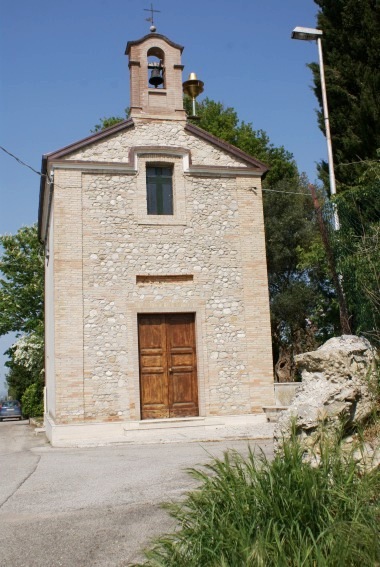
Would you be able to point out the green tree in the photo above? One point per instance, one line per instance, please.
(22, 282)
(26, 364)
(302, 300)
(109, 121)
(357, 246)
(304, 311)
(18, 378)
(224, 123)
(21, 307)
(351, 51)
(32, 401)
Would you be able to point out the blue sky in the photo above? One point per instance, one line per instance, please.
(63, 67)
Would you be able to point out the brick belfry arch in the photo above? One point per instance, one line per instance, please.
(145, 100)
(156, 57)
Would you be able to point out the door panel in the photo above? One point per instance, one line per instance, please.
(153, 367)
(183, 390)
(168, 374)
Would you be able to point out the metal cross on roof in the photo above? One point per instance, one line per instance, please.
(151, 19)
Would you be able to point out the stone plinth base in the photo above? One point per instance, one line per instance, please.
(159, 431)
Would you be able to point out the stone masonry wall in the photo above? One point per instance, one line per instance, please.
(219, 240)
(155, 133)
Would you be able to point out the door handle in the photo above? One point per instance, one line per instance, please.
(170, 370)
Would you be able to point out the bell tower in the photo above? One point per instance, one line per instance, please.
(155, 78)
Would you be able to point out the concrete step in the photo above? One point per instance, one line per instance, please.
(273, 412)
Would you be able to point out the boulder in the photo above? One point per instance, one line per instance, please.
(335, 390)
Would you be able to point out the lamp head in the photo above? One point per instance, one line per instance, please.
(306, 34)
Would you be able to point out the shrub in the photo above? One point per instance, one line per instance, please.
(253, 512)
(32, 401)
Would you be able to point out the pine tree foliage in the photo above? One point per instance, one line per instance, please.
(351, 53)
(357, 249)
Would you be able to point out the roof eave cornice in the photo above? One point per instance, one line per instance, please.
(262, 167)
(152, 36)
(41, 196)
(125, 124)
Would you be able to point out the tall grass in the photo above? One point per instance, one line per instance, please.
(255, 512)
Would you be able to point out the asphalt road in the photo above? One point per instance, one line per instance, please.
(94, 507)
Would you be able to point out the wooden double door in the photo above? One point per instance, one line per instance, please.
(168, 372)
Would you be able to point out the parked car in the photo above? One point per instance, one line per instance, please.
(10, 410)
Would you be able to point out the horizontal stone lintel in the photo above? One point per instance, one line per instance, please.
(149, 279)
(221, 171)
(95, 166)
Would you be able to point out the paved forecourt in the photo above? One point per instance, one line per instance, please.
(94, 506)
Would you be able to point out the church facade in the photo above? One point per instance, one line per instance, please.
(156, 307)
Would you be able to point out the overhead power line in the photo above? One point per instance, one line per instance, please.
(22, 162)
(287, 192)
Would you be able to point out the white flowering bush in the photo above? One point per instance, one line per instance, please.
(28, 352)
(26, 369)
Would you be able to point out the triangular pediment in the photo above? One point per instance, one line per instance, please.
(99, 140)
(90, 140)
(121, 145)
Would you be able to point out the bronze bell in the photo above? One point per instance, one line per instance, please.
(156, 77)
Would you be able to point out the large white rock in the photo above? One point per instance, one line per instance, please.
(335, 389)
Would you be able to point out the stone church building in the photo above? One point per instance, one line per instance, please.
(156, 309)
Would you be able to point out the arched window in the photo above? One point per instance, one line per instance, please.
(156, 68)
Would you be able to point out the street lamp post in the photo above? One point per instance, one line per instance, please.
(310, 34)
